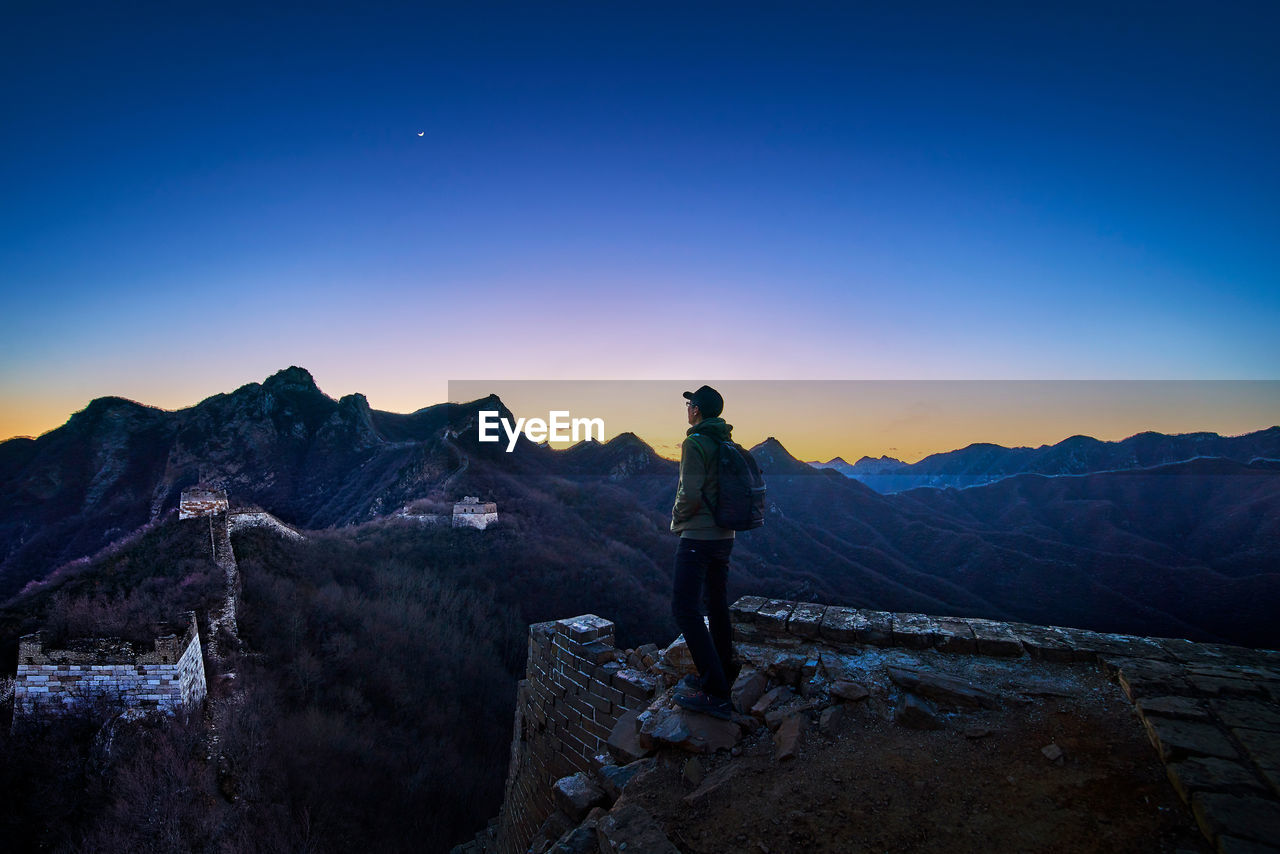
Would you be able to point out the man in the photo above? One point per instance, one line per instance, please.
(702, 559)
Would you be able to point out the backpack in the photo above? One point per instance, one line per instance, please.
(741, 504)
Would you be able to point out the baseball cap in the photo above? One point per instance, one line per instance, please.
(708, 401)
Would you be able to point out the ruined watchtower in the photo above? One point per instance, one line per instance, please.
(166, 678)
(474, 513)
(201, 501)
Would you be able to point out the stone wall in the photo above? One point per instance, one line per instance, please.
(1211, 711)
(474, 520)
(576, 686)
(242, 519)
(55, 680)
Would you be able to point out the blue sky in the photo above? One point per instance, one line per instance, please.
(197, 196)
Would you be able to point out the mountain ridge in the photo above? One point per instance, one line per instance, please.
(1097, 551)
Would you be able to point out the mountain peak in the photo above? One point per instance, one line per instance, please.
(292, 377)
(628, 440)
(773, 457)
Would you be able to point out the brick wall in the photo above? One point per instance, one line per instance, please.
(576, 686)
(54, 680)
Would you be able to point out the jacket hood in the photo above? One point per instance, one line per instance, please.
(715, 428)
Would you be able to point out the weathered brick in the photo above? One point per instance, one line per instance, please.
(806, 620)
(606, 691)
(995, 638)
(840, 625)
(586, 628)
(1046, 643)
(597, 702)
(875, 628)
(744, 610)
(954, 635)
(915, 631)
(771, 617)
(634, 683)
(599, 652)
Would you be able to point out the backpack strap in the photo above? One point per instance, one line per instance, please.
(706, 463)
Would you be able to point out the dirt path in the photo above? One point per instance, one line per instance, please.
(870, 785)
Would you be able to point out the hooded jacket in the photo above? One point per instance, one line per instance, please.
(691, 516)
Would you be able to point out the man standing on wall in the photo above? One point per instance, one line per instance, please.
(702, 560)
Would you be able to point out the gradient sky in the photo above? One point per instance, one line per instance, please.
(195, 195)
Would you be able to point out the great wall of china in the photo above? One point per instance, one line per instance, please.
(171, 676)
(587, 714)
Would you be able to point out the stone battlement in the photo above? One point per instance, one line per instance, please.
(1211, 711)
(165, 677)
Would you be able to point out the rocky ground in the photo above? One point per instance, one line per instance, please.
(882, 751)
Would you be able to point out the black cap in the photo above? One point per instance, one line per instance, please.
(708, 401)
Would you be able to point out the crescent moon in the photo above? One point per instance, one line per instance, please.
(422, 133)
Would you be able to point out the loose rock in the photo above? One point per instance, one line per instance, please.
(917, 713)
(787, 738)
(576, 794)
(847, 690)
(747, 689)
(1053, 753)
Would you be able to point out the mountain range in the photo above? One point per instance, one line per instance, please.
(1185, 549)
(982, 463)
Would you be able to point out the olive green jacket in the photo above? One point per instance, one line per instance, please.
(691, 516)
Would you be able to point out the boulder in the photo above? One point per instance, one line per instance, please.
(576, 794)
(630, 828)
(623, 743)
(690, 731)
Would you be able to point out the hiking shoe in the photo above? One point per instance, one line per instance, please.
(695, 682)
(707, 704)
(689, 684)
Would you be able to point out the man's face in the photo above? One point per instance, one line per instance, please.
(694, 415)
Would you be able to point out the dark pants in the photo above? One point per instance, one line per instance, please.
(702, 570)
